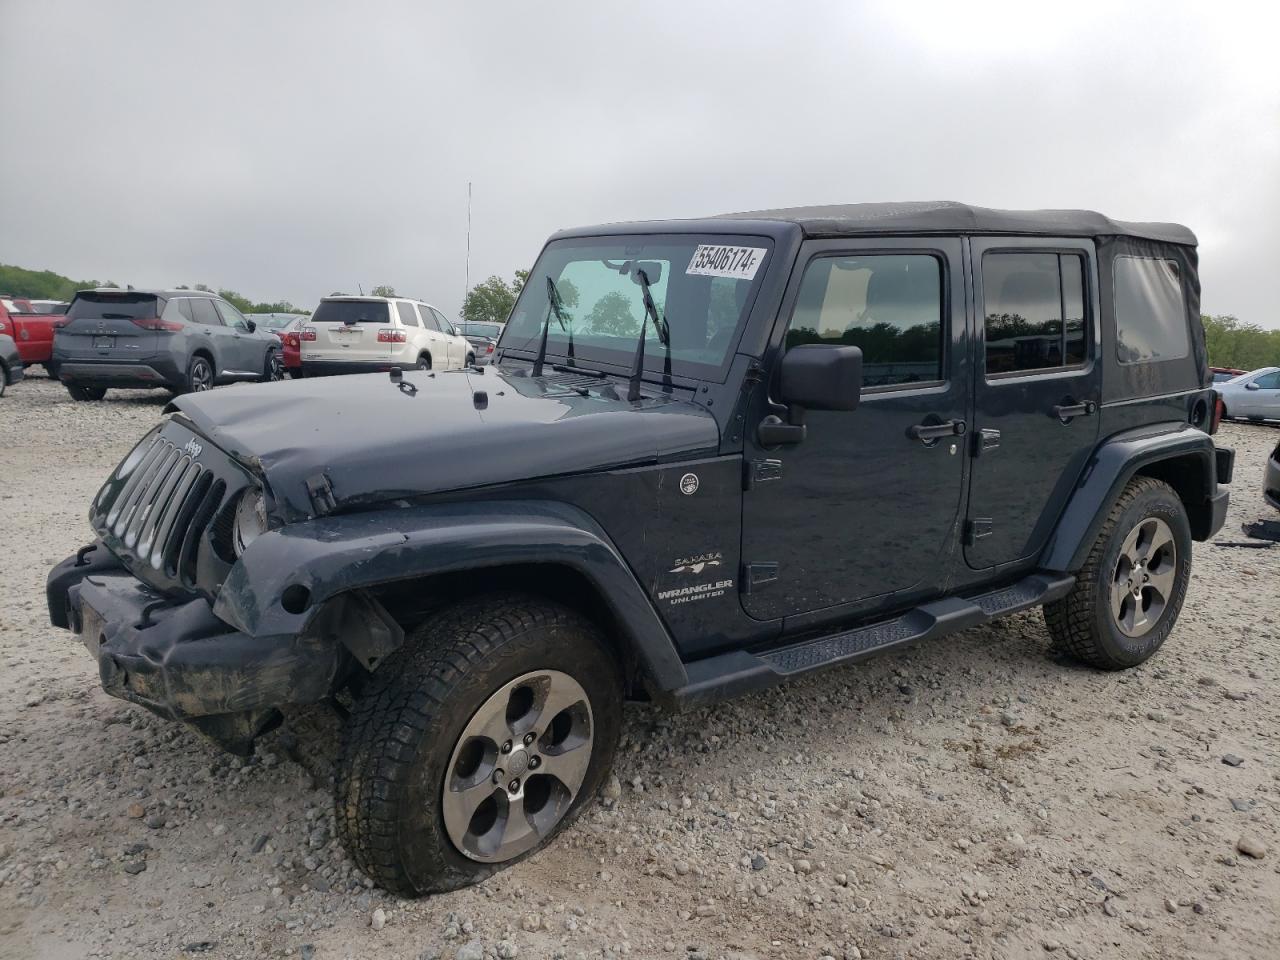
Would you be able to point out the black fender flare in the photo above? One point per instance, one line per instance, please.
(334, 555)
(1114, 463)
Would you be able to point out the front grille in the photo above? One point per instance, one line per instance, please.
(163, 507)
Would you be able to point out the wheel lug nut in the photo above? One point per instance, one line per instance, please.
(535, 762)
(506, 747)
(528, 739)
(498, 775)
(514, 786)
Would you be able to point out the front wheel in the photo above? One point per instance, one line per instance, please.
(199, 374)
(273, 370)
(1131, 587)
(473, 745)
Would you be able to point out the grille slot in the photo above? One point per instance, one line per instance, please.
(163, 507)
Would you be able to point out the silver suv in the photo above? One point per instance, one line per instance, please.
(184, 340)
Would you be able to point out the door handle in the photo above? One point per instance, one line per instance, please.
(1069, 409)
(928, 432)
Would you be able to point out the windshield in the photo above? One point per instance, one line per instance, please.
(350, 311)
(475, 329)
(273, 321)
(701, 285)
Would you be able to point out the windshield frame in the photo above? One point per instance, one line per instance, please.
(619, 361)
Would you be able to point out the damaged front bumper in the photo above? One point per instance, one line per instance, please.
(179, 660)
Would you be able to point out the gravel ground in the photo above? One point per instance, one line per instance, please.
(968, 797)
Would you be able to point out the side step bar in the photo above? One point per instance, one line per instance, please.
(736, 672)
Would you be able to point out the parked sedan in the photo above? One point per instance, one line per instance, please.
(483, 336)
(1254, 396)
(10, 362)
(1223, 374)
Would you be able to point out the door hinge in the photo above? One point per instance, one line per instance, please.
(975, 530)
(756, 575)
(760, 471)
(984, 440)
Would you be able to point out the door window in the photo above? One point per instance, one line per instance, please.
(1269, 381)
(407, 315)
(443, 322)
(888, 305)
(231, 316)
(203, 312)
(1033, 311)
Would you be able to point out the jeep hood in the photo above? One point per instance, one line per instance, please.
(375, 440)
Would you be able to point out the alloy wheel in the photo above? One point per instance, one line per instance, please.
(1144, 578)
(201, 376)
(275, 366)
(518, 766)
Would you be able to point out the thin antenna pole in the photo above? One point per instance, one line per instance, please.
(361, 286)
(468, 271)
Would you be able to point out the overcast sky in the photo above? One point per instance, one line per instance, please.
(289, 149)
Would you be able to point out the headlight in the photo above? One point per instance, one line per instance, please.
(250, 521)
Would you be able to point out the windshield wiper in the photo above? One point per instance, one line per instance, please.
(664, 337)
(554, 304)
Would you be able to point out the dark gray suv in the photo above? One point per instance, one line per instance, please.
(184, 340)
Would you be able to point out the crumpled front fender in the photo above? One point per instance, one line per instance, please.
(283, 578)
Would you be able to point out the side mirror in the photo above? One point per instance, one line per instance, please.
(818, 376)
(1252, 386)
(253, 325)
(813, 376)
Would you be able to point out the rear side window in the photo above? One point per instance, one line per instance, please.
(202, 312)
(1033, 311)
(1151, 315)
(112, 306)
(178, 311)
(407, 315)
(353, 311)
(429, 318)
(890, 306)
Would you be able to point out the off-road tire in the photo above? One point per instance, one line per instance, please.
(1081, 624)
(51, 369)
(408, 718)
(81, 393)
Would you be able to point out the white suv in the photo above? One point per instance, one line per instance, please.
(360, 334)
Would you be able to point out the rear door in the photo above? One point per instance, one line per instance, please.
(1038, 385)
(439, 343)
(110, 325)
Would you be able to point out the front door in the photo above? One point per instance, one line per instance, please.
(1038, 385)
(865, 506)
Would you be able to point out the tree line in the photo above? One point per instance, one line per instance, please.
(1232, 342)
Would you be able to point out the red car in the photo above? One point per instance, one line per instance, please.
(31, 331)
(286, 326)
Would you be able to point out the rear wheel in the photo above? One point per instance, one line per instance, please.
(476, 743)
(1129, 592)
(4, 379)
(424, 362)
(199, 374)
(471, 360)
(83, 393)
(51, 369)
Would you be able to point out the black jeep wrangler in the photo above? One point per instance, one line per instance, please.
(711, 455)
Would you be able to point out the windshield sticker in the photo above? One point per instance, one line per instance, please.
(714, 260)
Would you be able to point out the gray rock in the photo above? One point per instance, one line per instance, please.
(1241, 806)
(1231, 760)
(758, 862)
(1251, 846)
(379, 919)
(507, 950)
(135, 867)
(471, 950)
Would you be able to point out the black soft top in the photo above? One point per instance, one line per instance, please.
(945, 216)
